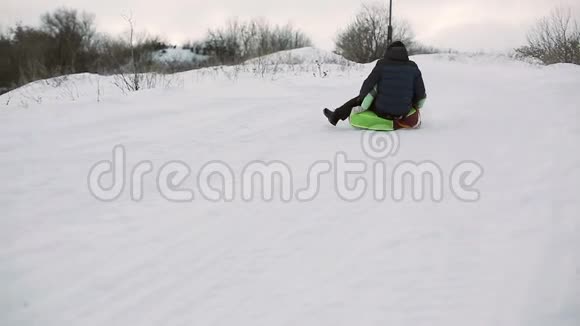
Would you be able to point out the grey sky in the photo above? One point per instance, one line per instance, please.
(459, 24)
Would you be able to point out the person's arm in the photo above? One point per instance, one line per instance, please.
(371, 81)
(419, 95)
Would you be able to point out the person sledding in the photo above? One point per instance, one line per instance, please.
(390, 97)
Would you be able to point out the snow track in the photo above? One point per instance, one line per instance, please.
(511, 258)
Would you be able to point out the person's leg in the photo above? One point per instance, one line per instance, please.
(342, 112)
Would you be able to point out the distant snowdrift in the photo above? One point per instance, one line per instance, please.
(83, 87)
(285, 64)
(67, 88)
(308, 55)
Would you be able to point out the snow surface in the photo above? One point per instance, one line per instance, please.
(510, 258)
(307, 55)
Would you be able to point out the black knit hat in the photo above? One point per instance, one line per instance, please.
(397, 51)
(396, 44)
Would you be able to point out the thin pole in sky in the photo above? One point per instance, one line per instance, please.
(390, 30)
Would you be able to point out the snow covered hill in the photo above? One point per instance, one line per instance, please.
(302, 56)
(502, 249)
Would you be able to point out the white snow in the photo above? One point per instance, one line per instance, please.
(510, 258)
(307, 55)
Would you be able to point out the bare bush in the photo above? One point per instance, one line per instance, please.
(135, 60)
(554, 39)
(239, 41)
(30, 53)
(61, 45)
(71, 34)
(365, 39)
(132, 80)
(8, 71)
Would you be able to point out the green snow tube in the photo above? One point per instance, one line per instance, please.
(369, 120)
(365, 119)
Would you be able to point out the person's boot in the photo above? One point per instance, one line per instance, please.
(330, 116)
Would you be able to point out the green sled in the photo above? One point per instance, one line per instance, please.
(369, 120)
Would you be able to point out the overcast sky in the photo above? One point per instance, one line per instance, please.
(460, 24)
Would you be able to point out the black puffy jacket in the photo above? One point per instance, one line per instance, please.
(399, 83)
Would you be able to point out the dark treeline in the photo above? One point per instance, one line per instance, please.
(67, 42)
(242, 40)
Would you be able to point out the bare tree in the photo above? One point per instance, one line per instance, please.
(554, 38)
(242, 40)
(135, 80)
(365, 39)
(32, 52)
(71, 34)
(131, 77)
